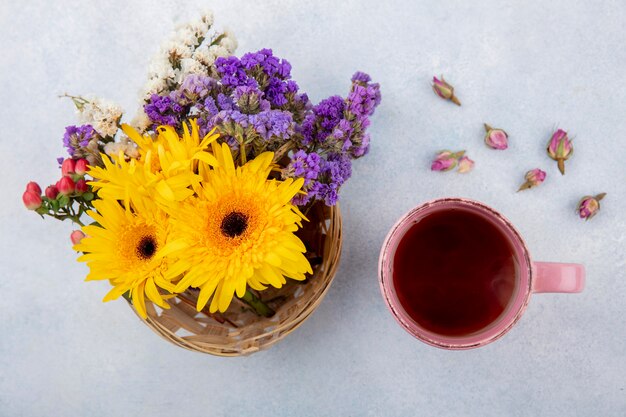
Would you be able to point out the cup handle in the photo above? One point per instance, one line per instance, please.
(558, 277)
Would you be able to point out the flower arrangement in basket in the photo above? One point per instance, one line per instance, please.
(214, 212)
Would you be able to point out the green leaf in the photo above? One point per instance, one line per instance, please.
(54, 205)
(63, 200)
(88, 196)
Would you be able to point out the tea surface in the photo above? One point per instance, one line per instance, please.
(454, 272)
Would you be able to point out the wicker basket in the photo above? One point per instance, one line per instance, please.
(240, 331)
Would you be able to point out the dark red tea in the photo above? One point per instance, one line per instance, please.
(454, 272)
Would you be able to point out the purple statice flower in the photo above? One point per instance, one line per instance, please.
(268, 63)
(250, 100)
(307, 129)
(263, 58)
(361, 77)
(304, 165)
(208, 106)
(205, 125)
(338, 167)
(194, 89)
(363, 100)
(60, 160)
(323, 177)
(77, 137)
(273, 124)
(329, 112)
(225, 102)
(336, 171)
(232, 72)
(234, 116)
(308, 166)
(341, 135)
(164, 110)
(362, 148)
(292, 87)
(232, 143)
(273, 73)
(245, 91)
(298, 104)
(326, 115)
(275, 92)
(361, 103)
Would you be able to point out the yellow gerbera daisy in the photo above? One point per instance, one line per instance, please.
(164, 171)
(126, 247)
(237, 231)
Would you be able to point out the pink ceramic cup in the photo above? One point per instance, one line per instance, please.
(532, 277)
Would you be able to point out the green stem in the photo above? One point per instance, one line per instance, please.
(242, 152)
(257, 305)
(282, 151)
(217, 39)
(62, 217)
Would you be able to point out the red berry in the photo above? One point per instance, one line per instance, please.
(52, 191)
(68, 166)
(66, 186)
(34, 187)
(31, 200)
(76, 236)
(81, 167)
(81, 186)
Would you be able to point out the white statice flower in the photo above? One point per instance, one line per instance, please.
(191, 57)
(187, 37)
(229, 41)
(159, 67)
(198, 28)
(176, 47)
(218, 50)
(207, 18)
(191, 66)
(178, 77)
(103, 115)
(203, 56)
(125, 145)
(141, 121)
(154, 86)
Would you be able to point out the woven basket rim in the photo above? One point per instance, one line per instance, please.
(262, 333)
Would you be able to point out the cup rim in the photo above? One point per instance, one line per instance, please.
(516, 308)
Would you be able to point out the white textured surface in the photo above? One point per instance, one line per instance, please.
(524, 66)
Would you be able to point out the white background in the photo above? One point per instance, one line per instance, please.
(524, 66)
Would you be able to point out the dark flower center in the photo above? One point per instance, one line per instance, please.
(234, 224)
(147, 247)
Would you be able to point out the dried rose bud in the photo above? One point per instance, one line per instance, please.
(66, 186)
(31, 200)
(51, 192)
(534, 177)
(560, 148)
(76, 236)
(446, 160)
(465, 165)
(444, 90)
(589, 206)
(496, 138)
(34, 187)
(81, 186)
(68, 166)
(81, 166)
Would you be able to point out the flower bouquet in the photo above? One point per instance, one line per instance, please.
(214, 211)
